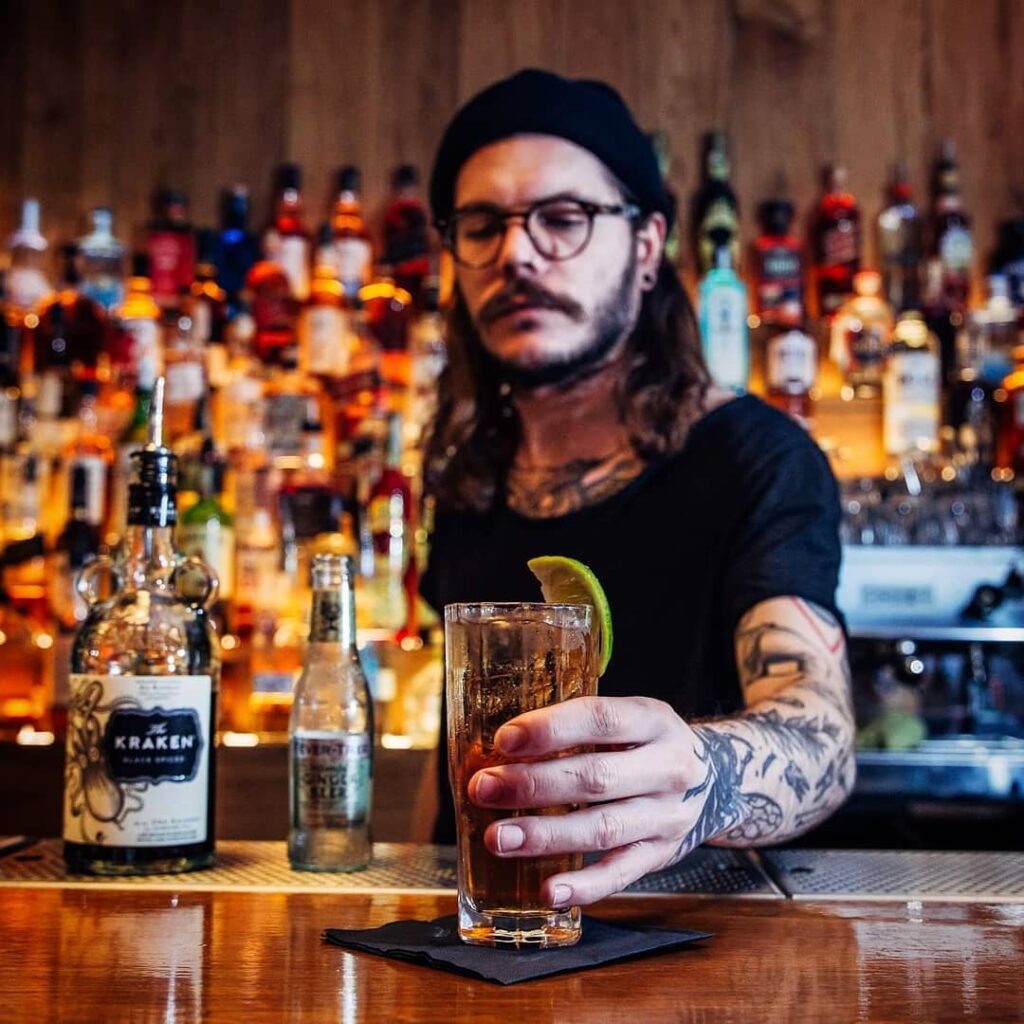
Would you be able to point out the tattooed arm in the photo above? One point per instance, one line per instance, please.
(658, 786)
(786, 762)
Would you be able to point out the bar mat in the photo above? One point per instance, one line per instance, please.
(437, 944)
(968, 876)
(397, 867)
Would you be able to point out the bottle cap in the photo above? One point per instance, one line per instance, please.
(348, 178)
(776, 215)
(140, 264)
(28, 235)
(289, 176)
(404, 176)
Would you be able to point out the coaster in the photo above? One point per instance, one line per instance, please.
(437, 944)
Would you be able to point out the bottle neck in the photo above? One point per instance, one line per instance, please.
(333, 622)
(149, 554)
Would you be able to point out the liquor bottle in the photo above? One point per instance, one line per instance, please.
(238, 248)
(91, 451)
(24, 564)
(899, 245)
(274, 311)
(185, 374)
(952, 243)
(991, 334)
(139, 783)
(791, 371)
(139, 320)
(1010, 440)
(911, 389)
(206, 530)
(323, 327)
(388, 312)
(71, 332)
(331, 733)
(389, 512)
(860, 335)
(352, 246)
(133, 438)
(406, 231)
(837, 243)
(722, 303)
(427, 356)
(778, 266)
(78, 543)
(715, 208)
(1008, 257)
(287, 241)
(26, 281)
(207, 310)
(10, 357)
(257, 554)
(102, 256)
(971, 411)
(286, 399)
(171, 247)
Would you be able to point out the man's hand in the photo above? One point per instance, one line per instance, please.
(648, 782)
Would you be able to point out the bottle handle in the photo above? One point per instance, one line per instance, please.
(89, 584)
(194, 583)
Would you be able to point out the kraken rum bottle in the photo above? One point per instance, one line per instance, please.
(139, 774)
(331, 733)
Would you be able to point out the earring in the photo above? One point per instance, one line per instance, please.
(648, 279)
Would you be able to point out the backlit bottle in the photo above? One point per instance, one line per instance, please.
(287, 241)
(837, 242)
(102, 256)
(952, 243)
(139, 781)
(911, 389)
(860, 335)
(778, 266)
(723, 321)
(899, 244)
(331, 733)
(353, 251)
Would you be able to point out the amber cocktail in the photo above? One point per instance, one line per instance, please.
(503, 660)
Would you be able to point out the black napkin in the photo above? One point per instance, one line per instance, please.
(437, 944)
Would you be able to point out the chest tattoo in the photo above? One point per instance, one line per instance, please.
(549, 491)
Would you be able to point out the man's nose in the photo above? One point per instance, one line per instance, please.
(517, 252)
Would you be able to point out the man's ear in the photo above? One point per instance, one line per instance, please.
(650, 244)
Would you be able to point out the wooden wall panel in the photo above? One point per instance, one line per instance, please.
(105, 99)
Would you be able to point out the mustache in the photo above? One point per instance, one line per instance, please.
(519, 293)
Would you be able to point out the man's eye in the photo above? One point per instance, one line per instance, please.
(561, 218)
(479, 228)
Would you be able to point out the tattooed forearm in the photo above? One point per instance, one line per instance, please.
(786, 762)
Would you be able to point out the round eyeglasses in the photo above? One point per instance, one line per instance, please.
(558, 228)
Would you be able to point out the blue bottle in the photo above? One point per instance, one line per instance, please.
(722, 302)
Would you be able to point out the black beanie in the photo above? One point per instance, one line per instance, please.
(588, 113)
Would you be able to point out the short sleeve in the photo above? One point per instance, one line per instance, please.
(786, 540)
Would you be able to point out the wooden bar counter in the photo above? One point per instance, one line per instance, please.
(81, 950)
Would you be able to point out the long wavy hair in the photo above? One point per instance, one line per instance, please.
(476, 428)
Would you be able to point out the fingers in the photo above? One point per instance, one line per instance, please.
(577, 779)
(595, 828)
(609, 875)
(583, 721)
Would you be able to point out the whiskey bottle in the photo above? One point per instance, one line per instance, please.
(837, 243)
(910, 389)
(715, 208)
(139, 781)
(331, 733)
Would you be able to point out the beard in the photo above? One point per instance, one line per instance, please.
(612, 321)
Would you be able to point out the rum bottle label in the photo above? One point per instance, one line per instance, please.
(138, 760)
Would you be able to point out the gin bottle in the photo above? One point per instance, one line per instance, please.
(139, 776)
(331, 733)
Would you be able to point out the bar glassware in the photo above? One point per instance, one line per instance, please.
(503, 660)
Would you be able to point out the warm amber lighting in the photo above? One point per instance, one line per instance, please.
(394, 741)
(846, 393)
(229, 641)
(31, 321)
(44, 641)
(753, 321)
(411, 643)
(29, 737)
(948, 474)
(239, 739)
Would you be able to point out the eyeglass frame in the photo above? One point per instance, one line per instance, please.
(446, 227)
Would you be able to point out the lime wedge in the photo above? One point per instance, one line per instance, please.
(566, 581)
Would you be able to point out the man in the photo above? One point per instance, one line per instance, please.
(577, 418)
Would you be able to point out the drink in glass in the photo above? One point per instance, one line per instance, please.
(503, 660)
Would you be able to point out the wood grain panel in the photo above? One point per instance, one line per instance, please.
(106, 99)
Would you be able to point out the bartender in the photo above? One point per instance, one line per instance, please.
(577, 418)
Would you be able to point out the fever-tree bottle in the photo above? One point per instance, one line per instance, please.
(139, 775)
(331, 733)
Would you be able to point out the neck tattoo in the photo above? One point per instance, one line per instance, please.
(548, 491)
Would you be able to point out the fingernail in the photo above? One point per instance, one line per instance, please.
(488, 787)
(561, 896)
(510, 837)
(510, 737)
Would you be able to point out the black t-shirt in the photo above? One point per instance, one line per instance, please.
(747, 510)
